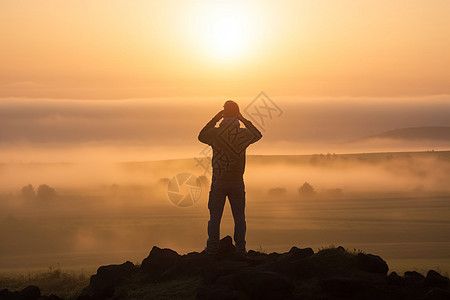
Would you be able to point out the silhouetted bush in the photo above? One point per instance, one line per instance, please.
(45, 192)
(27, 192)
(306, 190)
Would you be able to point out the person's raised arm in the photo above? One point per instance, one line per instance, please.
(255, 133)
(205, 134)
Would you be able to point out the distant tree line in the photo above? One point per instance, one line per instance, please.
(44, 192)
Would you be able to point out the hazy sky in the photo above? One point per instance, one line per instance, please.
(125, 49)
(137, 80)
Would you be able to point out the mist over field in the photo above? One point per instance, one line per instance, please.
(85, 182)
(83, 215)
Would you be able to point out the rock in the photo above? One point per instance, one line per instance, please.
(194, 263)
(216, 292)
(51, 297)
(394, 279)
(372, 263)
(332, 273)
(437, 294)
(84, 297)
(103, 284)
(5, 294)
(340, 248)
(297, 253)
(434, 279)
(413, 277)
(262, 284)
(292, 263)
(255, 258)
(343, 287)
(160, 261)
(226, 248)
(223, 268)
(31, 292)
(413, 274)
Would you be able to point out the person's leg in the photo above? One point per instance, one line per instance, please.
(216, 204)
(236, 195)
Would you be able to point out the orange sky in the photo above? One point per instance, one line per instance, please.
(125, 49)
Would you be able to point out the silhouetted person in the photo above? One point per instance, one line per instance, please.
(228, 142)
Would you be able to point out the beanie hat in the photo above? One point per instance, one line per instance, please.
(230, 109)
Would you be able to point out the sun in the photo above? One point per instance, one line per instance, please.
(226, 30)
(226, 37)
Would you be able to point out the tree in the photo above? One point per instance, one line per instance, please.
(46, 192)
(27, 192)
(306, 190)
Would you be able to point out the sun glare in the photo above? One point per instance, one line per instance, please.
(226, 30)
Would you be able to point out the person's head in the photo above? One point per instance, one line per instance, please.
(230, 109)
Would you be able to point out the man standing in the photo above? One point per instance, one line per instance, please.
(228, 142)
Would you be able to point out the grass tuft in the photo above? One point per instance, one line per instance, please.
(65, 284)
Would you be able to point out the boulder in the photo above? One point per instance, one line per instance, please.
(340, 248)
(262, 284)
(31, 292)
(160, 261)
(194, 263)
(216, 292)
(342, 286)
(372, 263)
(102, 285)
(394, 279)
(413, 277)
(434, 279)
(226, 248)
(437, 294)
(5, 294)
(222, 268)
(297, 253)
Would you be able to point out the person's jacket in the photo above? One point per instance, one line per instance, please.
(229, 143)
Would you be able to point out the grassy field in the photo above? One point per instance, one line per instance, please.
(396, 205)
(65, 284)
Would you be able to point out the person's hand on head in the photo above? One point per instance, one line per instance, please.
(218, 116)
(240, 117)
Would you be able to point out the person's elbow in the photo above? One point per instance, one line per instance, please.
(202, 138)
(258, 136)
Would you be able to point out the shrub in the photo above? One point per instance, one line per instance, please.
(27, 192)
(46, 192)
(306, 190)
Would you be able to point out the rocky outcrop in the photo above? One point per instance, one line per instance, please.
(301, 273)
(332, 273)
(31, 292)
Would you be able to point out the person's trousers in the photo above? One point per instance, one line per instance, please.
(235, 190)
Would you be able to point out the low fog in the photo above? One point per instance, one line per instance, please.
(82, 215)
(85, 183)
(62, 130)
